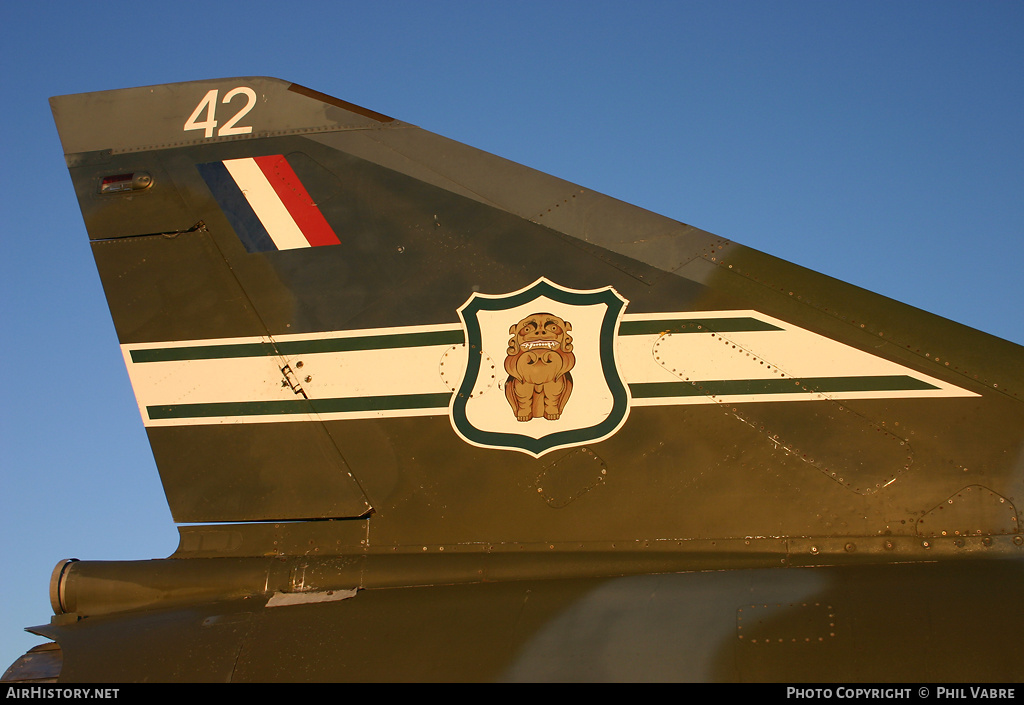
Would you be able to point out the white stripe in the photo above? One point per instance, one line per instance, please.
(790, 352)
(266, 203)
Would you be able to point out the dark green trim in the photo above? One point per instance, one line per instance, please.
(645, 390)
(204, 352)
(694, 325)
(299, 406)
(413, 340)
(883, 383)
(373, 342)
(300, 347)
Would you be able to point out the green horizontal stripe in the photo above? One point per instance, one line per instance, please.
(372, 342)
(694, 325)
(645, 390)
(883, 383)
(299, 347)
(299, 406)
(413, 340)
(203, 352)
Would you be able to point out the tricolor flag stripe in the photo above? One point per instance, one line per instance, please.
(267, 204)
(297, 200)
(237, 209)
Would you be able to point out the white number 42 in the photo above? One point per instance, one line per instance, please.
(209, 105)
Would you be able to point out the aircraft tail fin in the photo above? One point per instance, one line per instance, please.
(328, 313)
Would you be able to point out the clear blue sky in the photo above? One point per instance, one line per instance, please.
(878, 142)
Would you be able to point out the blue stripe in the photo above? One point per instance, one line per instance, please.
(238, 211)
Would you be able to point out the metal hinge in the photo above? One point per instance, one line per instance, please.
(290, 380)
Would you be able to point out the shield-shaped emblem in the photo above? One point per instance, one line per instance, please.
(540, 372)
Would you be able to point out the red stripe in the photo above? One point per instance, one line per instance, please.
(297, 200)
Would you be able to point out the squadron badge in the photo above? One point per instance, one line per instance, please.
(538, 362)
(563, 386)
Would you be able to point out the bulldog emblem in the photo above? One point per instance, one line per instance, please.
(561, 376)
(539, 358)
